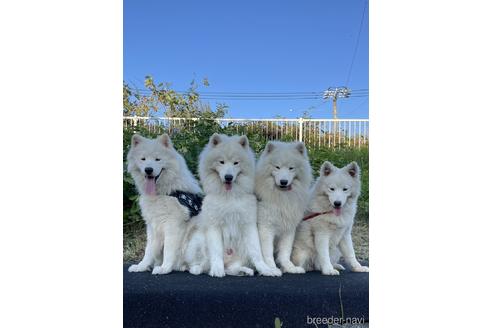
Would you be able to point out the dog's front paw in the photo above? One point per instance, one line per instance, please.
(330, 272)
(361, 268)
(246, 271)
(339, 267)
(137, 268)
(161, 270)
(217, 271)
(196, 269)
(294, 269)
(270, 272)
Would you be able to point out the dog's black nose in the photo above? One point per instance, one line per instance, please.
(228, 177)
(149, 170)
(283, 182)
(337, 203)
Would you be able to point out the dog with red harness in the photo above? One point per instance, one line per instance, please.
(324, 235)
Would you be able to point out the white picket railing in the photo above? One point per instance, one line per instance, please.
(313, 132)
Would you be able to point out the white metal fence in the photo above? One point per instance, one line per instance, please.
(313, 132)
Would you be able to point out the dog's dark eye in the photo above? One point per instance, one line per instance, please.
(157, 159)
(277, 167)
(291, 168)
(345, 189)
(143, 158)
(236, 163)
(221, 162)
(332, 189)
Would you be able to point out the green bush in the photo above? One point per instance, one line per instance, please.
(190, 142)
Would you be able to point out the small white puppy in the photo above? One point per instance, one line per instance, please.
(325, 233)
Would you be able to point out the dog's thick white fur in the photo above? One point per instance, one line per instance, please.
(158, 169)
(321, 241)
(228, 217)
(283, 178)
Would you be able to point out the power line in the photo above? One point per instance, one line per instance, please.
(255, 98)
(243, 93)
(258, 96)
(260, 93)
(356, 45)
(252, 93)
(274, 96)
(315, 107)
(269, 98)
(359, 105)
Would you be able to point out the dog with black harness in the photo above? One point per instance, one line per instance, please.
(170, 199)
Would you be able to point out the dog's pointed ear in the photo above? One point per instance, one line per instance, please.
(215, 139)
(165, 140)
(353, 170)
(269, 147)
(326, 169)
(301, 148)
(136, 139)
(243, 141)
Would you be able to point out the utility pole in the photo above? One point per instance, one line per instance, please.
(334, 93)
(335, 108)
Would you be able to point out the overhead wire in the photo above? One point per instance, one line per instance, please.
(356, 44)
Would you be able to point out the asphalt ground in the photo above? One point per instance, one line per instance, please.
(181, 299)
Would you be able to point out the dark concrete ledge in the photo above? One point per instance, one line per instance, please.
(182, 300)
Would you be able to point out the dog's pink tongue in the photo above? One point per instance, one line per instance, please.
(338, 211)
(228, 186)
(150, 187)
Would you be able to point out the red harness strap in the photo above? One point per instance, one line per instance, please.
(313, 215)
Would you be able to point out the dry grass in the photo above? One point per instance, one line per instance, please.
(134, 245)
(360, 238)
(134, 242)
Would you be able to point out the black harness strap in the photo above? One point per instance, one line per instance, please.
(192, 201)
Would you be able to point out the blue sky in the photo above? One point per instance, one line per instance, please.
(252, 46)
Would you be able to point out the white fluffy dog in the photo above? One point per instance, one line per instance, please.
(325, 233)
(228, 217)
(283, 178)
(159, 171)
